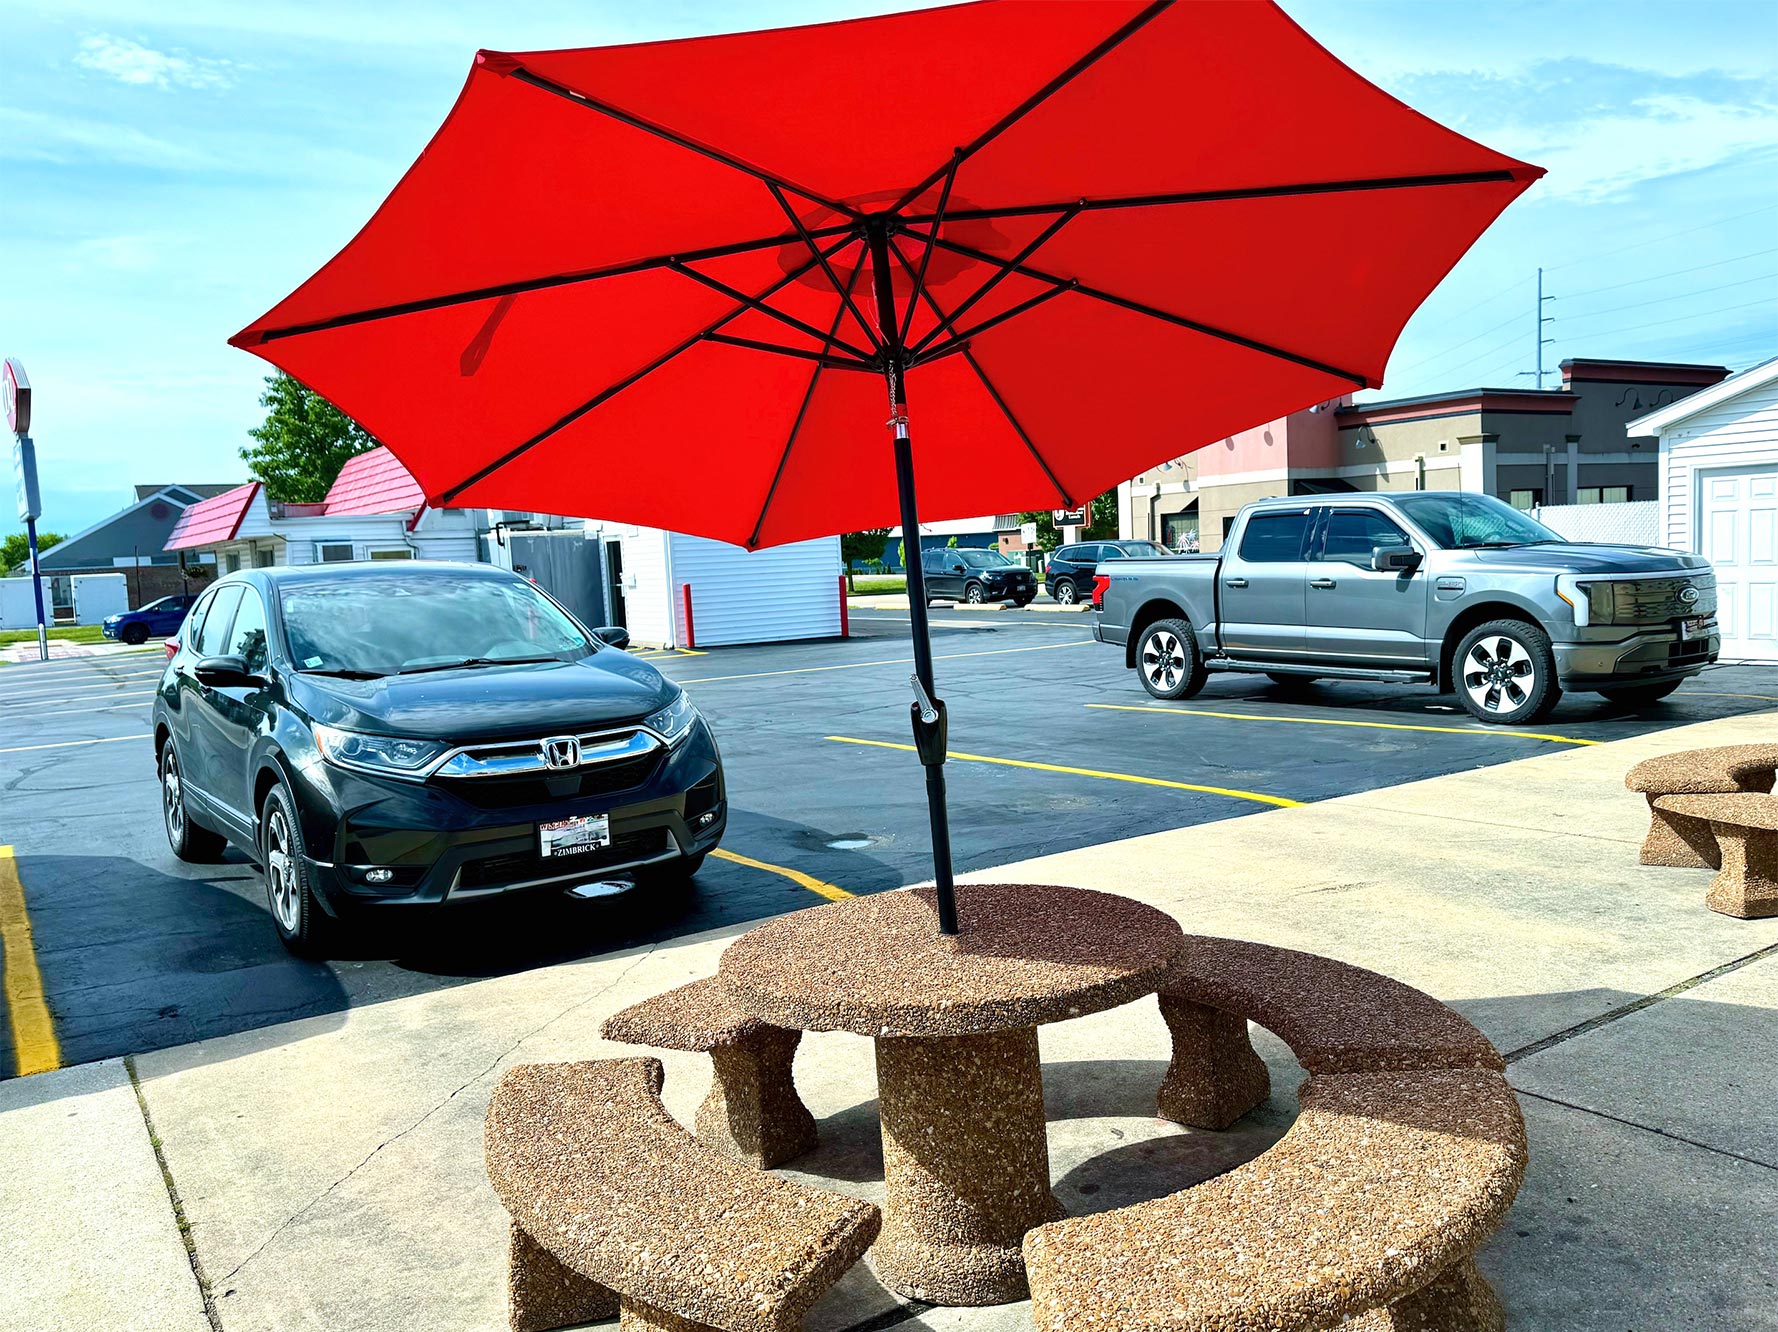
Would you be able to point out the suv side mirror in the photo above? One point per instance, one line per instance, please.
(227, 673)
(613, 635)
(1395, 559)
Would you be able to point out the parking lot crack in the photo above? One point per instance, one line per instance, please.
(390, 1141)
(180, 1221)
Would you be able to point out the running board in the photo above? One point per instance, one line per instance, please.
(1321, 672)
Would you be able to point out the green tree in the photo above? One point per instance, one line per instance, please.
(1101, 524)
(16, 550)
(303, 443)
(864, 547)
(951, 544)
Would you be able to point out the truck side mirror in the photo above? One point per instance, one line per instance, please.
(613, 635)
(1395, 559)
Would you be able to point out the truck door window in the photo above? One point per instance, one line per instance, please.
(1274, 538)
(1351, 534)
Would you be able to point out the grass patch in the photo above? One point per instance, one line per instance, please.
(75, 633)
(890, 583)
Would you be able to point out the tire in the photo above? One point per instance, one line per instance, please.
(1021, 602)
(974, 595)
(134, 634)
(1505, 673)
(1168, 662)
(1640, 696)
(674, 874)
(1285, 680)
(1065, 592)
(191, 842)
(303, 925)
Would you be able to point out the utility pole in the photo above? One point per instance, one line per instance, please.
(1542, 319)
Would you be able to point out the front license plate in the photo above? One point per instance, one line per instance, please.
(572, 837)
(1697, 627)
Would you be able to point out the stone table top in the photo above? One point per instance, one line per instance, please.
(1025, 954)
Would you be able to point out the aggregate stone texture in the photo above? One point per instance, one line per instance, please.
(752, 1112)
(541, 1293)
(1745, 828)
(1336, 1018)
(965, 1163)
(1677, 840)
(593, 1169)
(1383, 1189)
(1025, 954)
(1215, 1075)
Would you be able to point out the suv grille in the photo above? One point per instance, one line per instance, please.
(523, 866)
(540, 789)
(1654, 600)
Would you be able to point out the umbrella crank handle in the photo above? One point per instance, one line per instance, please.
(931, 725)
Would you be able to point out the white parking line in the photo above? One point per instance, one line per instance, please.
(61, 695)
(87, 712)
(74, 744)
(893, 661)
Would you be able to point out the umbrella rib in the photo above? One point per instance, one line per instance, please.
(1153, 312)
(1031, 247)
(756, 303)
(821, 358)
(1300, 188)
(827, 268)
(958, 342)
(611, 391)
(524, 285)
(938, 219)
(988, 384)
(796, 426)
(1037, 98)
(634, 121)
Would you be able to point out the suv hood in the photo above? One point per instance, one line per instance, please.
(607, 688)
(1578, 557)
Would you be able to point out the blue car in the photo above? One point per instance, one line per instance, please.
(158, 619)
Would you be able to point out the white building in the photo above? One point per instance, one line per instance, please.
(1719, 497)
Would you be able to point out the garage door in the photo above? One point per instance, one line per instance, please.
(1739, 525)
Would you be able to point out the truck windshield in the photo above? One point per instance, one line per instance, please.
(1459, 521)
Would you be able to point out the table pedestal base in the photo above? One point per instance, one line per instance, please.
(966, 1161)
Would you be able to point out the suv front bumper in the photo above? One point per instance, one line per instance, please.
(1642, 658)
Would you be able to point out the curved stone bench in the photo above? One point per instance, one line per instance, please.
(1677, 839)
(613, 1202)
(1335, 1018)
(1744, 828)
(752, 1111)
(1370, 1209)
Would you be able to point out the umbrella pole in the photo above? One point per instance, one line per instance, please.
(928, 712)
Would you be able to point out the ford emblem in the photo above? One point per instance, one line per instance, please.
(1689, 595)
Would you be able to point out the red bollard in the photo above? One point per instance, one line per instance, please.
(845, 627)
(691, 640)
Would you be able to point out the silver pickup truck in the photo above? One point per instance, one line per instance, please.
(1450, 589)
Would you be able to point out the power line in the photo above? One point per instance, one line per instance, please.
(1682, 296)
(1439, 356)
(1679, 319)
(1670, 235)
(1678, 272)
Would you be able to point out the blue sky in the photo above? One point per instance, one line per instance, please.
(168, 171)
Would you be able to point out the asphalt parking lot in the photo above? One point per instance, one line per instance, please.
(1055, 747)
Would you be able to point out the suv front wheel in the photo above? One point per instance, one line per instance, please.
(1505, 672)
(303, 925)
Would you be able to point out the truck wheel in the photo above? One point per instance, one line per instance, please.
(1506, 673)
(1168, 660)
(1637, 696)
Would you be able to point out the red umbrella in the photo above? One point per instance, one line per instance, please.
(666, 283)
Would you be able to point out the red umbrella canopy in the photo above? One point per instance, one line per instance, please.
(638, 282)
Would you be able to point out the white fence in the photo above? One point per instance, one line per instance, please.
(1636, 523)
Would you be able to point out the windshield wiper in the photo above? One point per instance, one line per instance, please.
(346, 674)
(473, 661)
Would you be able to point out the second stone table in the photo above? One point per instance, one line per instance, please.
(955, 1017)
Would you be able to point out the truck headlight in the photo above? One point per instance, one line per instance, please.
(673, 722)
(1590, 602)
(386, 755)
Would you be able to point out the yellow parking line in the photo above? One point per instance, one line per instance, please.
(1280, 801)
(832, 892)
(1327, 721)
(74, 744)
(895, 661)
(1709, 693)
(34, 1047)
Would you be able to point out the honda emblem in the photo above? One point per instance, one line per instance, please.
(561, 751)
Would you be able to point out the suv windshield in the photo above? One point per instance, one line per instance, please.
(983, 559)
(1458, 521)
(379, 624)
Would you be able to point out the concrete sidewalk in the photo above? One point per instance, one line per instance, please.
(331, 1172)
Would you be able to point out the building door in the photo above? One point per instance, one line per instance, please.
(614, 584)
(1738, 533)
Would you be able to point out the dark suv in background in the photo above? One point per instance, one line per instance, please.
(1069, 573)
(379, 737)
(974, 575)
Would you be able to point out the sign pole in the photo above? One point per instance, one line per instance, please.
(15, 393)
(37, 588)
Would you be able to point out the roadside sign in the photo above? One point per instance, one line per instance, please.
(1028, 533)
(17, 393)
(1068, 517)
(24, 476)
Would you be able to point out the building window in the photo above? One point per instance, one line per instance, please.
(402, 554)
(333, 552)
(264, 559)
(1525, 499)
(1179, 531)
(1603, 495)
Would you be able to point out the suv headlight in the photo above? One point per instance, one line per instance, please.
(386, 755)
(673, 722)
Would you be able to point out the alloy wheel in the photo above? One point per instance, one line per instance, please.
(1065, 593)
(280, 872)
(173, 799)
(1499, 674)
(973, 594)
(1163, 659)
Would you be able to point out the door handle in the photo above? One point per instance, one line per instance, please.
(1323, 583)
(1234, 582)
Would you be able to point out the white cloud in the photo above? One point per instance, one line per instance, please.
(142, 66)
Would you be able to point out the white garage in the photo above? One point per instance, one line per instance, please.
(1719, 497)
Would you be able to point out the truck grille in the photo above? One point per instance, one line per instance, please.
(1656, 600)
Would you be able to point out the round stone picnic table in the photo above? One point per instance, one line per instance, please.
(955, 1018)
